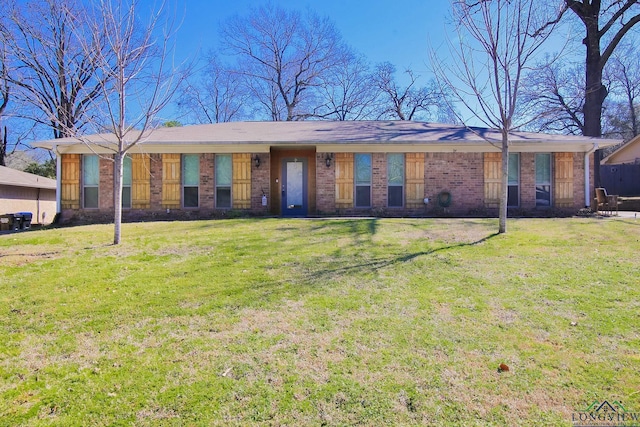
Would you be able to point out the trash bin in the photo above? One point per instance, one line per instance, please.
(26, 217)
(10, 222)
(5, 222)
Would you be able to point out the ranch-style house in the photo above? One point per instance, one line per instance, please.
(323, 168)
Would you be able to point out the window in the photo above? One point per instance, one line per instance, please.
(513, 197)
(223, 180)
(126, 183)
(190, 180)
(395, 180)
(363, 180)
(90, 180)
(543, 179)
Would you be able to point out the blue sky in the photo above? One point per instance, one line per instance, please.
(398, 32)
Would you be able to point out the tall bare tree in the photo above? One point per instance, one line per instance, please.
(621, 114)
(283, 55)
(54, 78)
(4, 101)
(496, 42)
(347, 92)
(139, 78)
(408, 102)
(554, 91)
(218, 95)
(605, 23)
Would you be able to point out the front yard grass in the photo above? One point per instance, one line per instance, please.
(320, 322)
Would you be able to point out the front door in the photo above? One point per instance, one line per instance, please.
(294, 187)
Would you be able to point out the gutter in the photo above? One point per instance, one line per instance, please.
(58, 179)
(587, 183)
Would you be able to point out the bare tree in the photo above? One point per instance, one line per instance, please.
(604, 22)
(347, 92)
(621, 112)
(55, 79)
(219, 95)
(139, 79)
(496, 41)
(21, 131)
(4, 101)
(408, 102)
(283, 54)
(555, 93)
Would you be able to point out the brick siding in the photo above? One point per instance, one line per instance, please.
(461, 174)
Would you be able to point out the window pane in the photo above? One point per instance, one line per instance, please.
(190, 197)
(543, 168)
(223, 170)
(126, 171)
(395, 196)
(191, 170)
(512, 197)
(223, 197)
(295, 190)
(91, 171)
(514, 169)
(543, 195)
(363, 168)
(395, 169)
(363, 196)
(126, 197)
(91, 197)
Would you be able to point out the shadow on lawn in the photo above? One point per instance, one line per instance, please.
(380, 263)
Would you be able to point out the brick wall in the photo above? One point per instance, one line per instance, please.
(379, 180)
(461, 174)
(326, 185)
(260, 179)
(207, 181)
(156, 182)
(105, 187)
(527, 181)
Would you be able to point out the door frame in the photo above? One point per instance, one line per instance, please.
(304, 209)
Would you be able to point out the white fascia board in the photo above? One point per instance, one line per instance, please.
(169, 149)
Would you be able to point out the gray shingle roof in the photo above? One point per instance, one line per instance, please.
(330, 132)
(18, 178)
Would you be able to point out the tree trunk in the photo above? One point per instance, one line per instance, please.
(3, 146)
(117, 196)
(504, 187)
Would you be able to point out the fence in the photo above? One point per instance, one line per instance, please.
(623, 180)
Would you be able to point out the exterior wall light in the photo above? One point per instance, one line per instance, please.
(327, 159)
(256, 161)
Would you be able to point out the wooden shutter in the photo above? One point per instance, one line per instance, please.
(140, 181)
(241, 181)
(70, 181)
(344, 180)
(171, 181)
(492, 179)
(415, 180)
(563, 177)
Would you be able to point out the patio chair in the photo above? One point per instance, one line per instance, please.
(606, 202)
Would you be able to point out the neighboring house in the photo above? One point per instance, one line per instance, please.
(26, 192)
(391, 168)
(620, 170)
(629, 153)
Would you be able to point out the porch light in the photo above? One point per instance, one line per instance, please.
(327, 159)
(256, 160)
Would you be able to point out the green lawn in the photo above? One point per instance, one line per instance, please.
(320, 322)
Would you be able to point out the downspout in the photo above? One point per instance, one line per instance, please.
(587, 183)
(58, 181)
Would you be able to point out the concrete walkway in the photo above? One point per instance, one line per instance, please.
(627, 214)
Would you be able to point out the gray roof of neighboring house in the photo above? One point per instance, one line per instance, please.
(330, 132)
(18, 178)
